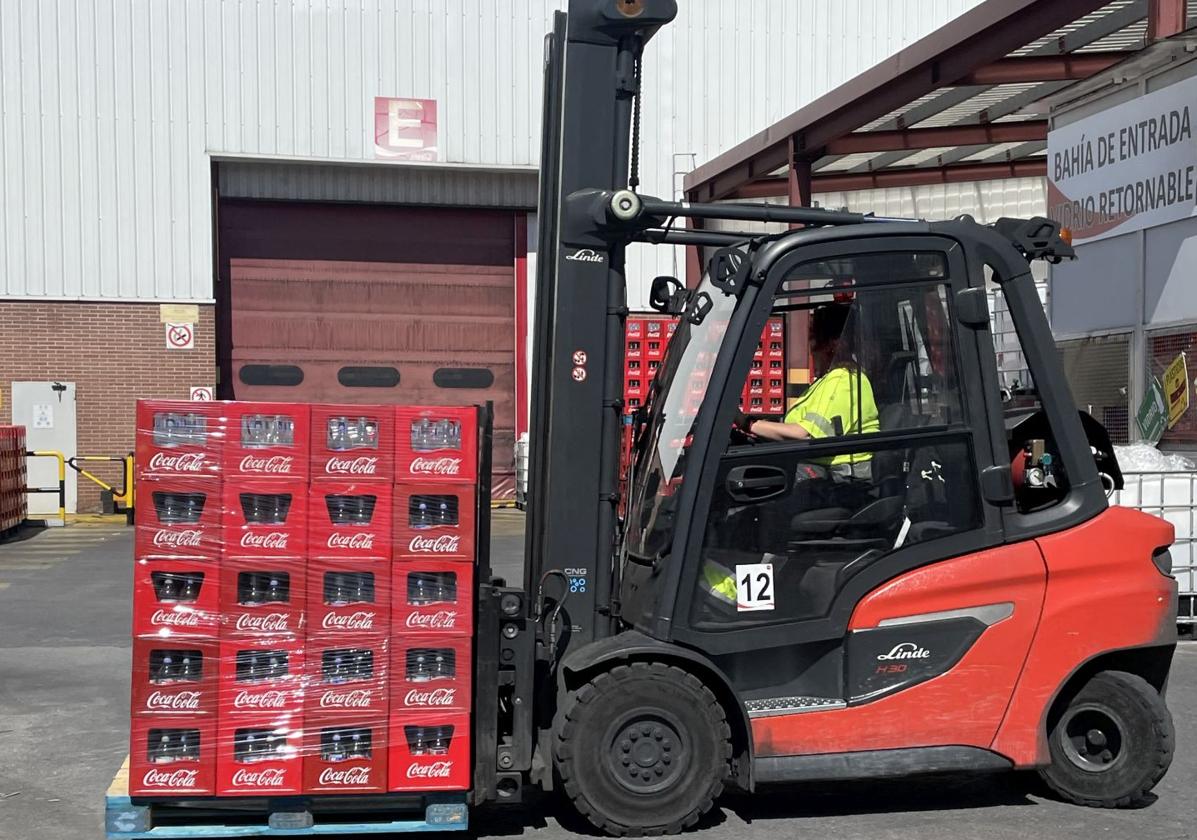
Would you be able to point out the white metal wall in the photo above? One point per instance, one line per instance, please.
(110, 110)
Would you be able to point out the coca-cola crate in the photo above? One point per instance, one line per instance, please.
(177, 517)
(436, 443)
(263, 675)
(434, 520)
(348, 597)
(172, 755)
(350, 519)
(178, 438)
(347, 674)
(429, 751)
(266, 517)
(432, 596)
(430, 673)
(353, 442)
(345, 754)
(176, 599)
(263, 596)
(259, 755)
(267, 440)
(174, 676)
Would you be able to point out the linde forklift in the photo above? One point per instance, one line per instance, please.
(943, 589)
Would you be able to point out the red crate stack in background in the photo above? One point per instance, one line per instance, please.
(12, 477)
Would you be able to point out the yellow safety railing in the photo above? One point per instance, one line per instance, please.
(60, 490)
(122, 499)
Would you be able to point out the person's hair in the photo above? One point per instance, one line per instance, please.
(834, 322)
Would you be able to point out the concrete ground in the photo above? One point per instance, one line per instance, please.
(64, 666)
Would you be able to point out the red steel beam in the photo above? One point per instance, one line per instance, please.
(1046, 68)
(1165, 18)
(935, 138)
(907, 177)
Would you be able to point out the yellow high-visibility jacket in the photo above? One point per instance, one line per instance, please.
(841, 392)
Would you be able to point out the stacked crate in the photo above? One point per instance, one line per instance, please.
(176, 599)
(12, 478)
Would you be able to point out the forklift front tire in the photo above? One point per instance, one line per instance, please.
(1111, 744)
(642, 749)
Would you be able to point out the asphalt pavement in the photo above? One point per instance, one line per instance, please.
(64, 705)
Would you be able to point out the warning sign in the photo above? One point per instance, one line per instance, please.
(180, 337)
(202, 394)
(1176, 389)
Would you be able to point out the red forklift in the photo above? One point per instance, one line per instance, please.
(925, 583)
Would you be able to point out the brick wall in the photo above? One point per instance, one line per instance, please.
(114, 353)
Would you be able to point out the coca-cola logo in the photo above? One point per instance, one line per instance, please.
(163, 701)
(350, 776)
(359, 620)
(171, 618)
(260, 700)
(432, 697)
(170, 778)
(431, 770)
(351, 466)
(353, 542)
(435, 466)
(358, 698)
(439, 620)
(272, 539)
(165, 538)
(275, 464)
(268, 623)
(443, 544)
(183, 462)
(266, 778)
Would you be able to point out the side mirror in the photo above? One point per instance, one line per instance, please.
(667, 295)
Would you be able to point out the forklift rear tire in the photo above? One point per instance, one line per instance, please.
(1112, 743)
(642, 749)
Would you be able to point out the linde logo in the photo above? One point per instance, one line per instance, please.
(273, 539)
(358, 698)
(184, 462)
(259, 700)
(905, 650)
(435, 697)
(585, 255)
(360, 620)
(170, 618)
(433, 770)
(177, 539)
(275, 464)
(351, 466)
(267, 778)
(440, 620)
(170, 778)
(268, 623)
(435, 466)
(161, 701)
(352, 776)
(444, 544)
(353, 542)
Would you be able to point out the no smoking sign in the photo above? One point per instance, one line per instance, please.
(180, 336)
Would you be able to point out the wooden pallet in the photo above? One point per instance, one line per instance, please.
(128, 819)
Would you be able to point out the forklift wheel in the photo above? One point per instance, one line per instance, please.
(643, 749)
(1112, 743)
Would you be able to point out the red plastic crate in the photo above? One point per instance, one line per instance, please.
(429, 751)
(430, 673)
(434, 520)
(348, 597)
(347, 674)
(263, 596)
(263, 675)
(267, 440)
(265, 517)
(350, 519)
(422, 451)
(353, 442)
(432, 596)
(176, 599)
(177, 517)
(175, 676)
(345, 754)
(268, 765)
(184, 764)
(179, 438)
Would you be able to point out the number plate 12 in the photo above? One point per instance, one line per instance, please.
(754, 587)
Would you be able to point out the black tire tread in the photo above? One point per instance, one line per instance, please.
(598, 687)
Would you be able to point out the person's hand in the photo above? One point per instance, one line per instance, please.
(743, 422)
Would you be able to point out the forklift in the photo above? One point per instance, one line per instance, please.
(922, 583)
